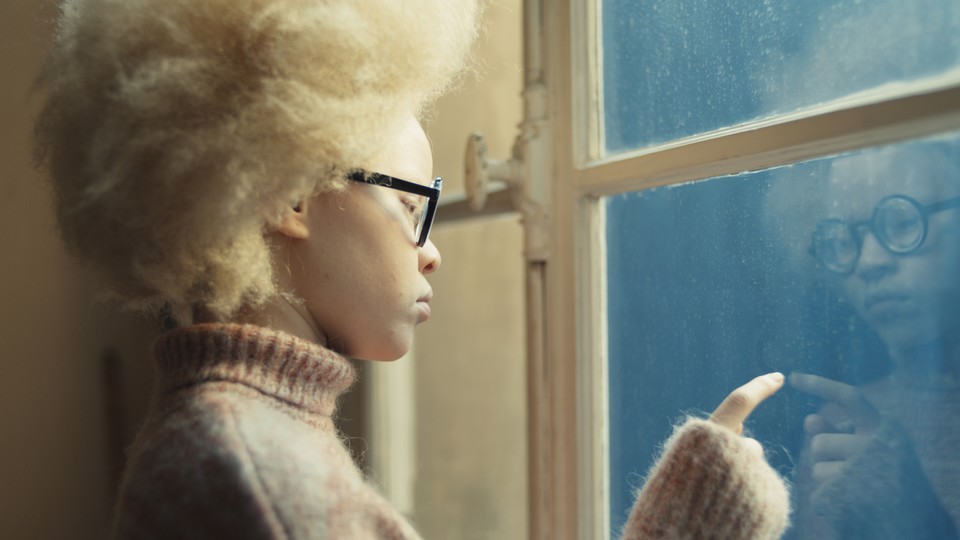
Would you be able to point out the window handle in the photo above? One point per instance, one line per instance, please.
(484, 175)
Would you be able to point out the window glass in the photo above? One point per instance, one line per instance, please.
(673, 69)
(842, 271)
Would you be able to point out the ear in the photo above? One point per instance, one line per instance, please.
(293, 224)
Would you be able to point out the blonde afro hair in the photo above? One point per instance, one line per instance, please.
(175, 131)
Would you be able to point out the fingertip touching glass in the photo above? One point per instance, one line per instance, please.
(723, 287)
(899, 223)
(422, 208)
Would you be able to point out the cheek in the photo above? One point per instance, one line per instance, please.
(383, 271)
(400, 271)
(365, 252)
(935, 292)
(943, 237)
(934, 270)
(940, 277)
(852, 290)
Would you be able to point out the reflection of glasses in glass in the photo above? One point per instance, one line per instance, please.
(420, 200)
(899, 223)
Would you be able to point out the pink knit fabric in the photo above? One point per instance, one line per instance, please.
(241, 444)
(708, 484)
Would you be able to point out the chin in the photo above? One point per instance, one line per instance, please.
(379, 341)
(391, 357)
(906, 338)
(383, 352)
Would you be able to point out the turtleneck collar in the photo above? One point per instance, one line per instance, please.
(295, 371)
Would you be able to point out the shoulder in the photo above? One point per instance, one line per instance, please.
(224, 463)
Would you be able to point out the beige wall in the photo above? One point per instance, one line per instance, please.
(53, 453)
(470, 388)
(470, 371)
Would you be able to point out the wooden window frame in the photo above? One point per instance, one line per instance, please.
(568, 420)
(556, 179)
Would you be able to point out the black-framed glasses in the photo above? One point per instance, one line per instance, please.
(899, 223)
(422, 204)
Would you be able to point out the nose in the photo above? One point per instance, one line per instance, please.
(429, 258)
(875, 261)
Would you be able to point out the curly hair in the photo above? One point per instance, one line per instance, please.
(176, 131)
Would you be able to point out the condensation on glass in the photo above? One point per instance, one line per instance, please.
(673, 69)
(843, 272)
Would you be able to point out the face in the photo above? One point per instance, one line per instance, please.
(910, 300)
(363, 278)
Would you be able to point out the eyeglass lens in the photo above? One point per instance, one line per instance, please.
(899, 224)
(419, 201)
(419, 215)
(428, 211)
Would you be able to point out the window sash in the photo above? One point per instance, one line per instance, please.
(884, 115)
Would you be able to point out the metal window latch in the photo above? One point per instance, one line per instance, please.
(483, 175)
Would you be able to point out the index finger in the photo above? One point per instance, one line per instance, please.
(842, 394)
(827, 389)
(741, 402)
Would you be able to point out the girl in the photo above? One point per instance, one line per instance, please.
(257, 168)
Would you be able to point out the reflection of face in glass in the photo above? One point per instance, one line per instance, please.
(892, 234)
(899, 223)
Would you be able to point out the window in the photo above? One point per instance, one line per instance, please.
(832, 267)
(706, 164)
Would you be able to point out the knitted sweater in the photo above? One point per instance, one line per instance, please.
(905, 482)
(241, 444)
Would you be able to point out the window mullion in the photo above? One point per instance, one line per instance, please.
(830, 129)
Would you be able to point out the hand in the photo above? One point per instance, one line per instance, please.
(741, 402)
(840, 429)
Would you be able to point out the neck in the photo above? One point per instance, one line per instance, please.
(278, 313)
(940, 358)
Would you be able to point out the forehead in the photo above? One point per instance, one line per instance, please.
(406, 155)
(858, 182)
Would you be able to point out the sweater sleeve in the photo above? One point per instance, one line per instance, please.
(709, 484)
(881, 493)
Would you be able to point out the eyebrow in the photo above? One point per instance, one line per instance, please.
(392, 181)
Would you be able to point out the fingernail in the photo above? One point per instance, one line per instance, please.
(776, 377)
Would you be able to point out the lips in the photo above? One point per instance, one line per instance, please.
(424, 311)
(426, 298)
(424, 304)
(883, 301)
